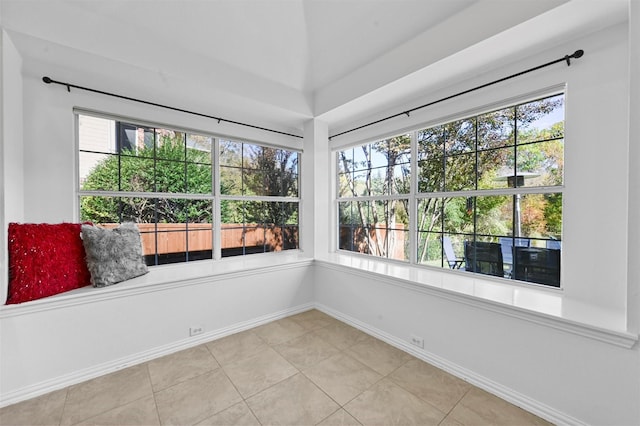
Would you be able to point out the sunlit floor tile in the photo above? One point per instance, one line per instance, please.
(237, 415)
(280, 331)
(142, 412)
(254, 374)
(388, 404)
(431, 384)
(306, 350)
(43, 410)
(340, 418)
(88, 399)
(196, 399)
(236, 347)
(378, 355)
(295, 401)
(180, 366)
(480, 407)
(342, 377)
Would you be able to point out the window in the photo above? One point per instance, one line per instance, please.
(259, 207)
(165, 180)
(487, 192)
(374, 187)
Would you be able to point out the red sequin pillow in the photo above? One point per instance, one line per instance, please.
(45, 259)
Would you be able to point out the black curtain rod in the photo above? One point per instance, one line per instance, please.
(567, 58)
(115, 95)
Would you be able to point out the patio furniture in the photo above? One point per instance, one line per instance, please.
(506, 246)
(453, 261)
(537, 265)
(484, 258)
(554, 244)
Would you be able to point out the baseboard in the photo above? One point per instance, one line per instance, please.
(80, 376)
(542, 410)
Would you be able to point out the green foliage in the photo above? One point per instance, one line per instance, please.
(169, 167)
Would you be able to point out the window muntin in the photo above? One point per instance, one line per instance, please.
(487, 185)
(164, 180)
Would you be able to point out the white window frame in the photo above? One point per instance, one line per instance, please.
(215, 197)
(414, 196)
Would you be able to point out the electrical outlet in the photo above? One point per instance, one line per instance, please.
(194, 331)
(417, 341)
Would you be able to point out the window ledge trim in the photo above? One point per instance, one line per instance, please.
(617, 337)
(162, 278)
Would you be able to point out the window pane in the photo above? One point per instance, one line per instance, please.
(257, 227)
(460, 172)
(199, 148)
(361, 157)
(345, 161)
(429, 231)
(378, 181)
(459, 215)
(99, 210)
(494, 168)
(345, 182)
(137, 174)
(96, 134)
(431, 174)
(171, 176)
(230, 180)
(431, 143)
(170, 145)
(351, 231)
(230, 153)
(199, 179)
(430, 249)
(290, 184)
(460, 136)
(360, 184)
(494, 216)
(541, 120)
(541, 163)
(98, 171)
(379, 153)
(251, 154)
(254, 182)
(496, 129)
(401, 179)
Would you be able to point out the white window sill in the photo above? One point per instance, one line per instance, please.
(165, 277)
(540, 305)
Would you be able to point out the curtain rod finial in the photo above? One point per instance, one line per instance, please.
(47, 80)
(578, 53)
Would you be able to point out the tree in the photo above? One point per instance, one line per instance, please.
(169, 167)
(447, 162)
(373, 226)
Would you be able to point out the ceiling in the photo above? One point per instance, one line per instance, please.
(288, 60)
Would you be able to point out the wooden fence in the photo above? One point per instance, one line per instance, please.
(174, 237)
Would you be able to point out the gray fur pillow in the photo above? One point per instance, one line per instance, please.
(113, 255)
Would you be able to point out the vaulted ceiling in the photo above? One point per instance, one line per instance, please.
(290, 60)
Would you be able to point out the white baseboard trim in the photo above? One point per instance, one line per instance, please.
(542, 410)
(83, 375)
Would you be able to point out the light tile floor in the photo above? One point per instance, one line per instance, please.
(307, 369)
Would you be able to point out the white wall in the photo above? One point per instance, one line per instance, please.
(633, 298)
(11, 148)
(49, 348)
